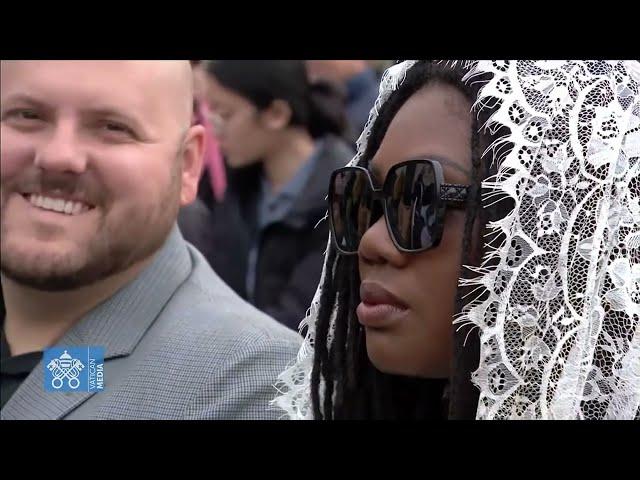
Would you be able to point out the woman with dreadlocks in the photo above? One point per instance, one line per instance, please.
(545, 261)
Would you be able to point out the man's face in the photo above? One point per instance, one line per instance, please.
(92, 158)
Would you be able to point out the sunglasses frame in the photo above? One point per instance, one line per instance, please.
(451, 195)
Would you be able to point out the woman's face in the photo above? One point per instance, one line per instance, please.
(243, 137)
(408, 299)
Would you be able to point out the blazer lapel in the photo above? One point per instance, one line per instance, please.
(118, 324)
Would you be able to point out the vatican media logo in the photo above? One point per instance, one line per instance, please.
(74, 369)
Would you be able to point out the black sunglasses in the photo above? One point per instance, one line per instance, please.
(412, 199)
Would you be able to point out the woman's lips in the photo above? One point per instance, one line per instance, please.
(379, 308)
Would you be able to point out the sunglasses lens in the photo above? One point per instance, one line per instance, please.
(412, 205)
(350, 199)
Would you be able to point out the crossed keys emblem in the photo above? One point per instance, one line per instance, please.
(65, 367)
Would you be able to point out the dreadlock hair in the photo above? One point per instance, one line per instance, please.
(344, 382)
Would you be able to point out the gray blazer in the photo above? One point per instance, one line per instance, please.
(179, 344)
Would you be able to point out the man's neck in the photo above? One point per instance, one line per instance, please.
(283, 164)
(37, 319)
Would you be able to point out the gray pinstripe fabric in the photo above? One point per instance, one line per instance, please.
(179, 344)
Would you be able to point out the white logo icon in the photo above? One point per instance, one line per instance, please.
(65, 367)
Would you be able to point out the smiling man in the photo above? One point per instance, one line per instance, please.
(97, 158)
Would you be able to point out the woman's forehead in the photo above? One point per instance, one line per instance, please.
(433, 123)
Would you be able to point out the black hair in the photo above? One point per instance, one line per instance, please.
(353, 387)
(318, 106)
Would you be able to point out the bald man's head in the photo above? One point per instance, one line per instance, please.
(113, 137)
(177, 77)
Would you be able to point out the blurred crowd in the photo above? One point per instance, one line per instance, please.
(276, 129)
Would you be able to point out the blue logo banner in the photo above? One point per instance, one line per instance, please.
(74, 369)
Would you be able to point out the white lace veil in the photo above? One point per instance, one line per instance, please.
(559, 318)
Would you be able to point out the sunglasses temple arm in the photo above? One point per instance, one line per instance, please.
(453, 194)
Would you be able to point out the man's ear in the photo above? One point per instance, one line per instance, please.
(191, 157)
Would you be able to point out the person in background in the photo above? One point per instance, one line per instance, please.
(205, 222)
(214, 176)
(360, 81)
(281, 137)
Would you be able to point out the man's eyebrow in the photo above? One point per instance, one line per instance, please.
(144, 131)
(98, 111)
(112, 113)
(24, 98)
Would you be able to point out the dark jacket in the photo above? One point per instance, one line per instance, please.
(218, 232)
(290, 252)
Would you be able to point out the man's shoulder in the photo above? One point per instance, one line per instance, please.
(211, 315)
